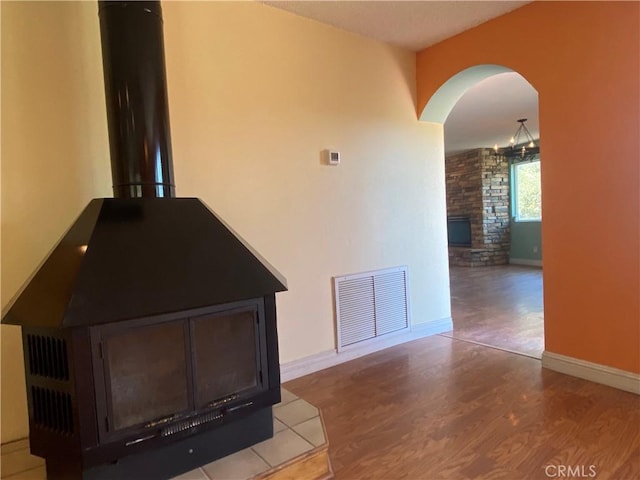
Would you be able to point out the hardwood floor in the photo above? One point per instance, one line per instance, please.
(499, 306)
(440, 408)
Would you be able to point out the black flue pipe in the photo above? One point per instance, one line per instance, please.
(136, 95)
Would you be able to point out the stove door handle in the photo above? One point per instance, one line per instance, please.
(138, 440)
(162, 421)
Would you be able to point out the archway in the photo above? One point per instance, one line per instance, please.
(500, 303)
(443, 100)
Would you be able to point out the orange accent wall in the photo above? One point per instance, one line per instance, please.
(584, 60)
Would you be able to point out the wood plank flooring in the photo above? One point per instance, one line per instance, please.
(499, 306)
(440, 408)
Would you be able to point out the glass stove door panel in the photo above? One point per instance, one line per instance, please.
(225, 352)
(146, 374)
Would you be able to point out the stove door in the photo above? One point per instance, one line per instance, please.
(228, 350)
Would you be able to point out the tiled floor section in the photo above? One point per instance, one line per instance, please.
(297, 430)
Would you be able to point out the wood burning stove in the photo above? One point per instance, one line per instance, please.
(149, 332)
(102, 397)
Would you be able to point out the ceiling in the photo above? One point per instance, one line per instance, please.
(409, 24)
(487, 113)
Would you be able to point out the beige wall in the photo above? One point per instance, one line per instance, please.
(255, 94)
(54, 152)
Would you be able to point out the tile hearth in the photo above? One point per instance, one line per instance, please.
(299, 437)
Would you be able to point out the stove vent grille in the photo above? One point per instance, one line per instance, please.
(52, 410)
(48, 357)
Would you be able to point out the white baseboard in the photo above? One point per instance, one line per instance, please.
(525, 261)
(594, 372)
(329, 358)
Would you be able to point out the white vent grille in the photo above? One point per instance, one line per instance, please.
(371, 304)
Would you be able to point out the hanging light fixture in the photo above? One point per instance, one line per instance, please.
(522, 147)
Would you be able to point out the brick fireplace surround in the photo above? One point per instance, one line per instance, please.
(478, 186)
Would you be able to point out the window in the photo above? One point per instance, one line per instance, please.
(526, 203)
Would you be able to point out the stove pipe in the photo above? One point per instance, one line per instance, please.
(136, 96)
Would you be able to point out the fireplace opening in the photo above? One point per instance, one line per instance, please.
(155, 376)
(459, 231)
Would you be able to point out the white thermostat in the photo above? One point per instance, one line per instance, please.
(332, 157)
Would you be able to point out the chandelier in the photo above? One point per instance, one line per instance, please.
(522, 147)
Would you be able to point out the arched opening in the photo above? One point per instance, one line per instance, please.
(493, 208)
(444, 99)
